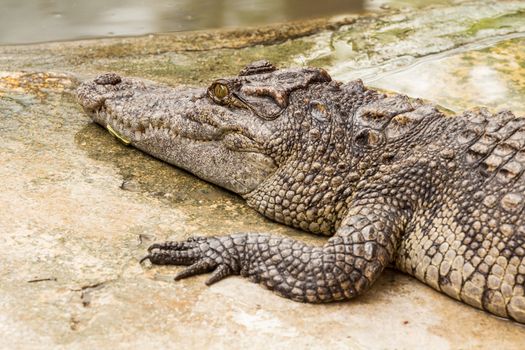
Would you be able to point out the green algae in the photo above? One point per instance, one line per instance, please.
(500, 22)
(401, 38)
(493, 77)
(203, 67)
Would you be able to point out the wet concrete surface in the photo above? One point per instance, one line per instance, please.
(78, 209)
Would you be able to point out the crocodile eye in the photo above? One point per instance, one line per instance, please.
(220, 91)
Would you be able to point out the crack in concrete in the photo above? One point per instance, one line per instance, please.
(36, 280)
(86, 290)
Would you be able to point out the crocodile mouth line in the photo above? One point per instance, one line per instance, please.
(128, 132)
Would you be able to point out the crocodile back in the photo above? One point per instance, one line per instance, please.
(494, 145)
(468, 240)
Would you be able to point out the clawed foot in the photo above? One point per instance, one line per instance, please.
(202, 254)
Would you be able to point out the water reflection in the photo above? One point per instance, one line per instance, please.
(50, 20)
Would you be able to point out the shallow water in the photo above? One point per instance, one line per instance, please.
(52, 20)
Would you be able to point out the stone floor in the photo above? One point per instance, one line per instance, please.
(78, 209)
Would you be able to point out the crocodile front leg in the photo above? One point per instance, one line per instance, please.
(346, 266)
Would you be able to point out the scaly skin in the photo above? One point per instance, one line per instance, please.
(392, 180)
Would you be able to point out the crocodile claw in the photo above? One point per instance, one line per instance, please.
(144, 259)
(200, 254)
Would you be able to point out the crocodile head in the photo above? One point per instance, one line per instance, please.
(235, 133)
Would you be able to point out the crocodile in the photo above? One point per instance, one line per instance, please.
(392, 181)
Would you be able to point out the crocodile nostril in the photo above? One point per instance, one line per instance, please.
(108, 79)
